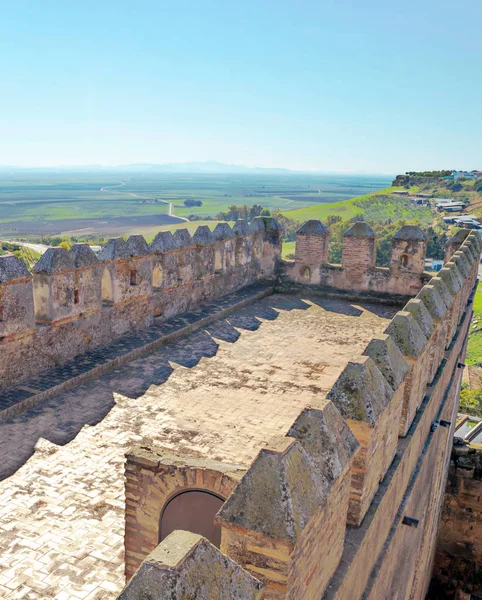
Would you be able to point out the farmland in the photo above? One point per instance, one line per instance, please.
(37, 202)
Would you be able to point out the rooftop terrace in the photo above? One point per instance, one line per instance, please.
(220, 393)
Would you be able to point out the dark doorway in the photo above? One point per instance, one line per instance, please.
(193, 510)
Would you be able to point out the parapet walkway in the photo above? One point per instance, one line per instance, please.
(221, 392)
(94, 363)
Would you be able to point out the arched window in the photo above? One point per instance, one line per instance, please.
(404, 263)
(306, 273)
(192, 510)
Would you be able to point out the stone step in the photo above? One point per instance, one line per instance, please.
(93, 364)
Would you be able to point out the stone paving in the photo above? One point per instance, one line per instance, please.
(222, 392)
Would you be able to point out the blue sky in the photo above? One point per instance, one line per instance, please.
(339, 85)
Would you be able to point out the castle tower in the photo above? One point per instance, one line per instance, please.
(359, 250)
(312, 241)
(409, 247)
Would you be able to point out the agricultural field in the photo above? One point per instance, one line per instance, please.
(35, 202)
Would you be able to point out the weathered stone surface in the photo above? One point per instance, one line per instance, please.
(451, 281)
(114, 250)
(183, 238)
(257, 224)
(459, 237)
(475, 238)
(407, 334)
(55, 260)
(136, 245)
(163, 242)
(462, 264)
(270, 223)
(223, 231)
(361, 392)
(185, 566)
(11, 269)
(432, 300)
(410, 232)
(420, 313)
(442, 290)
(83, 256)
(289, 479)
(326, 438)
(388, 358)
(360, 229)
(242, 228)
(203, 236)
(314, 226)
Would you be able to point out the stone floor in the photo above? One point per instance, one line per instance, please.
(222, 392)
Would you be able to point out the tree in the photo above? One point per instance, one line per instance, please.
(65, 245)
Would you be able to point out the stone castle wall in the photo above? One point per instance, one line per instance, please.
(75, 301)
(358, 270)
(347, 505)
(458, 559)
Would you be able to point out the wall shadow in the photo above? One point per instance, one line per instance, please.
(60, 419)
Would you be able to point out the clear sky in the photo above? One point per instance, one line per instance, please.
(334, 85)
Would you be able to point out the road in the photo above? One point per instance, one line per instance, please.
(40, 248)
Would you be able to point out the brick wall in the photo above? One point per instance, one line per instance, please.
(285, 521)
(82, 303)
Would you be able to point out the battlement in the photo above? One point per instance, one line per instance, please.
(75, 301)
(373, 453)
(358, 270)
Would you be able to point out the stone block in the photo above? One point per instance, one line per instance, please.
(185, 566)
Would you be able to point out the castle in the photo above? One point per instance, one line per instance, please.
(306, 458)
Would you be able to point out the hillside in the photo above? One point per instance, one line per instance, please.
(378, 207)
(26, 255)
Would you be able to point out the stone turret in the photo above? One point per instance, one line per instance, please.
(409, 247)
(312, 241)
(359, 250)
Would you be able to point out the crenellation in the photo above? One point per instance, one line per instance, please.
(360, 448)
(372, 410)
(420, 313)
(359, 251)
(288, 497)
(312, 242)
(409, 247)
(17, 315)
(285, 521)
(454, 243)
(53, 286)
(387, 357)
(358, 271)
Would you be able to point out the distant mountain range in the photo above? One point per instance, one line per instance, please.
(187, 167)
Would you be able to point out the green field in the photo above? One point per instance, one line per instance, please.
(35, 202)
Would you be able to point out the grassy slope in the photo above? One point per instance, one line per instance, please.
(474, 348)
(380, 206)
